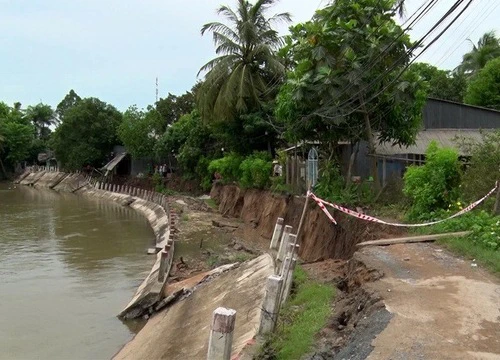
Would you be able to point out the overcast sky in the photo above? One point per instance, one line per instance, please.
(114, 49)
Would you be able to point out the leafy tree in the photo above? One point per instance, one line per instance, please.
(87, 134)
(16, 136)
(348, 83)
(42, 116)
(140, 130)
(70, 100)
(173, 107)
(192, 143)
(487, 48)
(484, 88)
(247, 69)
(442, 84)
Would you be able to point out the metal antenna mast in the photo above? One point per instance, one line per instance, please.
(157, 89)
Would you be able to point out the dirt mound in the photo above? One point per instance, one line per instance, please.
(320, 239)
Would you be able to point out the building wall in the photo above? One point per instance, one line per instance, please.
(442, 114)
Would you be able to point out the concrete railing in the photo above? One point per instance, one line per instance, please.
(278, 287)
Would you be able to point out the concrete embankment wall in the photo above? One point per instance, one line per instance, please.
(152, 205)
(320, 239)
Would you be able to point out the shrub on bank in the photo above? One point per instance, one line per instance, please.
(255, 170)
(434, 185)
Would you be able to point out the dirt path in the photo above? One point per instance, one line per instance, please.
(442, 307)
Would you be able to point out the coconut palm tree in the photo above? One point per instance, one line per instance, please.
(487, 48)
(42, 116)
(247, 68)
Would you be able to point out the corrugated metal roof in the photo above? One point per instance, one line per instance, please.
(115, 161)
(444, 138)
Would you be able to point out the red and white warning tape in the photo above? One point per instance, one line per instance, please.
(322, 204)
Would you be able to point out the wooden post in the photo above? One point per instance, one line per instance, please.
(278, 229)
(271, 305)
(284, 243)
(221, 334)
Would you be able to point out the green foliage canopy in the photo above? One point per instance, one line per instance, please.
(139, 131)
(173, 107)
(247, 68)
(87, 134)
(347, 83)
(484, 88)
(442, 84)
(487, 48)
(17, 134)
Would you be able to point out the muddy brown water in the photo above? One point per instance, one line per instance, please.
(68, 265)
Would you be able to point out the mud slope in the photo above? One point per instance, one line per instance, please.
(442, 307)
(320, 238)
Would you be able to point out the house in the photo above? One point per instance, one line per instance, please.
(123, 164)
(442, 121)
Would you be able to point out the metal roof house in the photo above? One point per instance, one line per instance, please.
(442, 121)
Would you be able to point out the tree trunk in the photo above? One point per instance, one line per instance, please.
(371, 151)
(352, 160)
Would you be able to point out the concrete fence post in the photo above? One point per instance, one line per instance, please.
(287, 287)
(278, 228)
(284, 243)
(271, 305)
(163, 263)
(221, 334)
(289, 247)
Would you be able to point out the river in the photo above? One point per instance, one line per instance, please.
(68, 265)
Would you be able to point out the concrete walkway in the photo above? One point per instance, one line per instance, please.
(182, 331)
(443, 307)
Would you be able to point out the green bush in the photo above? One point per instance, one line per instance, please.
(484, 226)
(332, 187)
(434, 185)
(228, 167)
(158, 184)
(483, 169)
(255, 170)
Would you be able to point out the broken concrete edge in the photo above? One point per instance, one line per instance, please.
(149, 292)
(185, 292)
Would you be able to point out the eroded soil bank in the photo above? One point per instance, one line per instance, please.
(320, 239)
(407, 301)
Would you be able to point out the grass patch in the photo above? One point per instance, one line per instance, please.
(465, 246)
(483, 244)
(302, 317)
(184, 217)
(211, 203)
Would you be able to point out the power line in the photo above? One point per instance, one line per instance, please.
(403, 70)
(354, 98)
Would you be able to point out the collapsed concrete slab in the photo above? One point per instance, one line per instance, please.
(182, 331)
